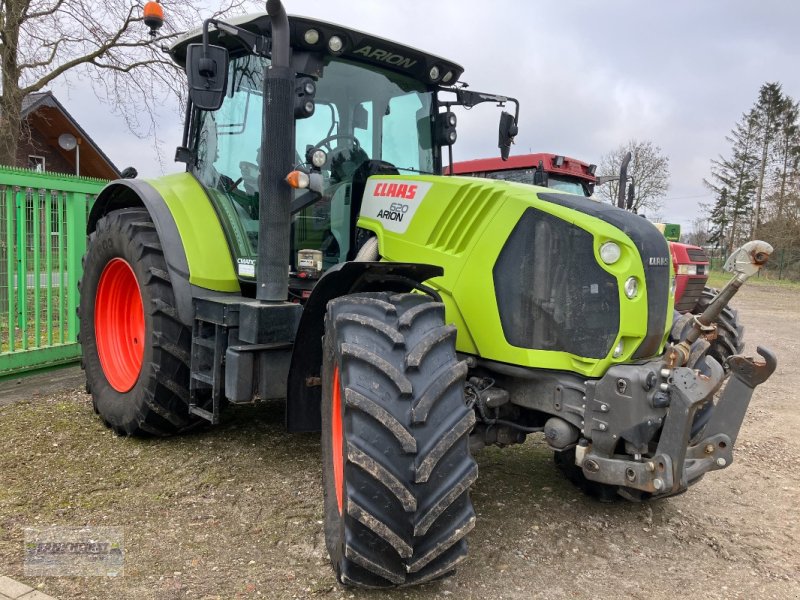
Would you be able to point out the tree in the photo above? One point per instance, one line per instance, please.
(734, 183)
(648, 170)
(719, 233)
(767, 114)
(757, 185)
(105, 43)
(700, 234)
(787, 155)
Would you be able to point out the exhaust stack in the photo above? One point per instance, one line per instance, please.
(275, 162)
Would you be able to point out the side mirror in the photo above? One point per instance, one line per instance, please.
(207, 73)
(507, 132)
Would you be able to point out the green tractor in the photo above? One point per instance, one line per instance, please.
(314, 251)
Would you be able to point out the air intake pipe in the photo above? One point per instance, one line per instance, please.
(275, 162)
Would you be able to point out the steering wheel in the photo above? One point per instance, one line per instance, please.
(339, 157)
(325, 143)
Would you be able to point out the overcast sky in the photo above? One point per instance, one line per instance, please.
(589, 76)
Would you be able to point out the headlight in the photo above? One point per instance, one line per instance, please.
(619, 349)
(610, 253)
(687, 269)
(631, 287)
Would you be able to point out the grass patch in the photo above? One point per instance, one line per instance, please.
(717, 279)
(35, 338)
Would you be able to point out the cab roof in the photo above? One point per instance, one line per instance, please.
(569, 166)
(358, 46)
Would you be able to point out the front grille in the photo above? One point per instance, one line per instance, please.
(551, 293)
(654, 253)
(691, 294)
(697, 255)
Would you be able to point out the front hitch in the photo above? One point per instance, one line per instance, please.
(660, 420)
(678, 462)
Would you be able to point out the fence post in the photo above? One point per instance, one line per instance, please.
(11, 264)
(76, 247)
(22, 267)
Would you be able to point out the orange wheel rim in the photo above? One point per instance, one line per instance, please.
(119, 325)
(336, 440)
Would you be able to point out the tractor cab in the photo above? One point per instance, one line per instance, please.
(363, 106)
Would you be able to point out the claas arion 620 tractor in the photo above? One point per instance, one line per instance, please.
(313, 251)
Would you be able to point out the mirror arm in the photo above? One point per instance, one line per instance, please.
(468, 99)
(252, 42)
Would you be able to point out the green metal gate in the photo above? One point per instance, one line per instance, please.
(42, 240)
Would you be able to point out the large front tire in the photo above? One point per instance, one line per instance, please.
(135, 350)
(395, 429)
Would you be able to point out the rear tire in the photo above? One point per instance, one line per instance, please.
(395, 430)
(138, 374)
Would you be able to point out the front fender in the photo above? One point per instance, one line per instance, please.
(304, 393)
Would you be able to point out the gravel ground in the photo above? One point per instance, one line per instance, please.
(236, 511)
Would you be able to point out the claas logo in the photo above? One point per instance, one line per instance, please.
(396, 190)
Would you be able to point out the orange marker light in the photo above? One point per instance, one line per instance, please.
(153, 16)
(297, 179)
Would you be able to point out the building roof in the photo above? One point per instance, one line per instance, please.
(48, 115)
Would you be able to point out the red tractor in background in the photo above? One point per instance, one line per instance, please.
(574, 176)
(577, 177)
(691, 268)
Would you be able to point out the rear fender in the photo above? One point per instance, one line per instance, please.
(304, 391)
(188, 229)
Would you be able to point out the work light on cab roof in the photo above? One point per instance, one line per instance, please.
(153, 16)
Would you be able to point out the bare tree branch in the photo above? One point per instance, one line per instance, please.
(45, 62)
(87, 58)
(26, 16)
(648, 171)
(44, 41)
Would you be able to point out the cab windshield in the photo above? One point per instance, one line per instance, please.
(570, 186)
(362, 114)
(562, 184)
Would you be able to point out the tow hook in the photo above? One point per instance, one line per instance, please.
(747, 373)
